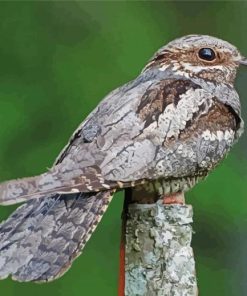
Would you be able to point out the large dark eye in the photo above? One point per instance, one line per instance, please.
(206, 54)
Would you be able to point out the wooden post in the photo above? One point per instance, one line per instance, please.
(158, 258)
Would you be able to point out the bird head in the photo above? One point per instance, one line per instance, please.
(199, 56)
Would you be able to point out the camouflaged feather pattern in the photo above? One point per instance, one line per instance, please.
(161, 133)
(137, 139)
(40, 239)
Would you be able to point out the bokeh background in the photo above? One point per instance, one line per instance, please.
(57, 61)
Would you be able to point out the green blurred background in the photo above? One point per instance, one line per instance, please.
(57, 61)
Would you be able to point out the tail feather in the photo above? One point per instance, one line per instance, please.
(42, 238)
(57, 180)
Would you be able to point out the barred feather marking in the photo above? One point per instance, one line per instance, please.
(42, 238)
(166, 129)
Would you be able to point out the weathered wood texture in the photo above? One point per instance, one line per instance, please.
(158, 257)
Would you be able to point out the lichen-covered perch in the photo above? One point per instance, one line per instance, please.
(158, 256)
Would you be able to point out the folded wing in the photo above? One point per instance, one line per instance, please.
(42, 238)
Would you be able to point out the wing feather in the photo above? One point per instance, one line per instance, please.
(134, 135)
(42, 238)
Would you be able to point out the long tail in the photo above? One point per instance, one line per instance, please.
(57, 180)
(40, 240)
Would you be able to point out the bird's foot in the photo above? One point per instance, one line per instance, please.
(176, 198)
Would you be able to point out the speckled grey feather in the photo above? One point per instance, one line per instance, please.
(42, 238)
(162, 132)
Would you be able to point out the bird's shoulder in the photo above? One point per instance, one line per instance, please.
(154, 108)
(132, 106)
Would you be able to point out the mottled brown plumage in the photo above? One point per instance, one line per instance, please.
(157, 98)
(219, 117)
(159, 134)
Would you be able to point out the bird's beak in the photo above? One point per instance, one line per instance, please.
(243, 61)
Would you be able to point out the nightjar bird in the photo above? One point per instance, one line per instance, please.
(160, 133)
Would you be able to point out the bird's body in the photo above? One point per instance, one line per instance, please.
(161, 133)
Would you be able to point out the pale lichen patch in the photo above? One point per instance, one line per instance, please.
(164, 264)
